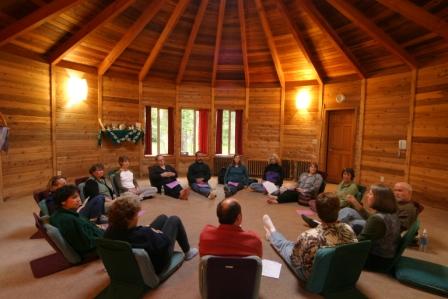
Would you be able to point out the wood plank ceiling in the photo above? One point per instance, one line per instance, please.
(246, 42)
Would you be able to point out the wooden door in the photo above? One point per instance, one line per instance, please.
(340, 143)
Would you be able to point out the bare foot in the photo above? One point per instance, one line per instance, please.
(272, 201)
(184, 194)
(268, 225)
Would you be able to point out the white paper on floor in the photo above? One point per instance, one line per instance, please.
(271, 268)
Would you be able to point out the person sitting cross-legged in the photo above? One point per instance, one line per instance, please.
(229, 239)
(236, 177)
(273, 173)
(157, 239)
(78, 231)
(127, 183)
(198, 175)
(166, 176)
(300, 254)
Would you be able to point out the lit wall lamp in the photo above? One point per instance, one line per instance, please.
(340, 98)
(76, 90)
(303, 99)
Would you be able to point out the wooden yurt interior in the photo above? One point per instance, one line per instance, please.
(344, 83)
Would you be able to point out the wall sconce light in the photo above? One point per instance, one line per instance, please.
(76, 90)
(303, 99)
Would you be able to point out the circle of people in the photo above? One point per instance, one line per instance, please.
(79, 212)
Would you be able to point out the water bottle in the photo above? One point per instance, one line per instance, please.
(423, 242)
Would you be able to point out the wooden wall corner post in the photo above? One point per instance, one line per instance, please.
(362, 108)
(321, 152)
(141, 152)
(282, 120)
(53, 117)
(177, 127)
(2, 199)
(100, 111)
(414, 75)
(212, 133)
(246, 120)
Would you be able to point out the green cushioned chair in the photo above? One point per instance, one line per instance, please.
(130, 270)
(361, 191)
(422, 274)
(337, 269)
(222, 277)
(405, 241)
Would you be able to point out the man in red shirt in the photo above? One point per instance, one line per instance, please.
(229, 239)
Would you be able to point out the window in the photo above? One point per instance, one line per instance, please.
(229, 132)
(159, 131)
(194, 131)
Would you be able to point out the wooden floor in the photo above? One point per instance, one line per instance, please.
(86, 281)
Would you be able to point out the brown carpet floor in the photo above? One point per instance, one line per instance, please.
(86, 281)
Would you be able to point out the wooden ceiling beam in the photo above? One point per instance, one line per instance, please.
(172, 21)
(35, 19)
(130, 35)
(107, 14)
(221, 12)
(189, 47)
(242, 21)
(270, 39)
(418, 15)
(353, 14)
(300, 41)
(333, 37)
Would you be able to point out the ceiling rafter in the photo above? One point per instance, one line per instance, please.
(334, 38)
(172, 21)
(372, 29)
(35, 19)
(242, 20)
(189, 47)
(300, 41)
(107, 14)
(221, 12)
(146, 17)
(270, 39)
(418, 15)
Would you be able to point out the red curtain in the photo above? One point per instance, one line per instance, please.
(148, 131)
(171, 131)
(239, 132)
(218, 149)
(203, 131)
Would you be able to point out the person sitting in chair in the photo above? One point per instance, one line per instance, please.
(163, 175)
(198, 175)
(300, 254)
(307, 188)
(157, 239)
(126, 182)
(229, 239)
(79, 232)
(97, 182)
(47, 205)
(408, 209)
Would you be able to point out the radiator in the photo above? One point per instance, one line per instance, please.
(220, 162)
(301, 167)
(256, 167)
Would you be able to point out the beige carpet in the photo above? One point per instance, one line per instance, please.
(86, 281)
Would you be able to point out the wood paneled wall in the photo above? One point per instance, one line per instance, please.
(301, 127)
(120, 104)
(386, 111)
(76, 126)
(429, 158)
(263, 136)
(25, 103)
(386, 120)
